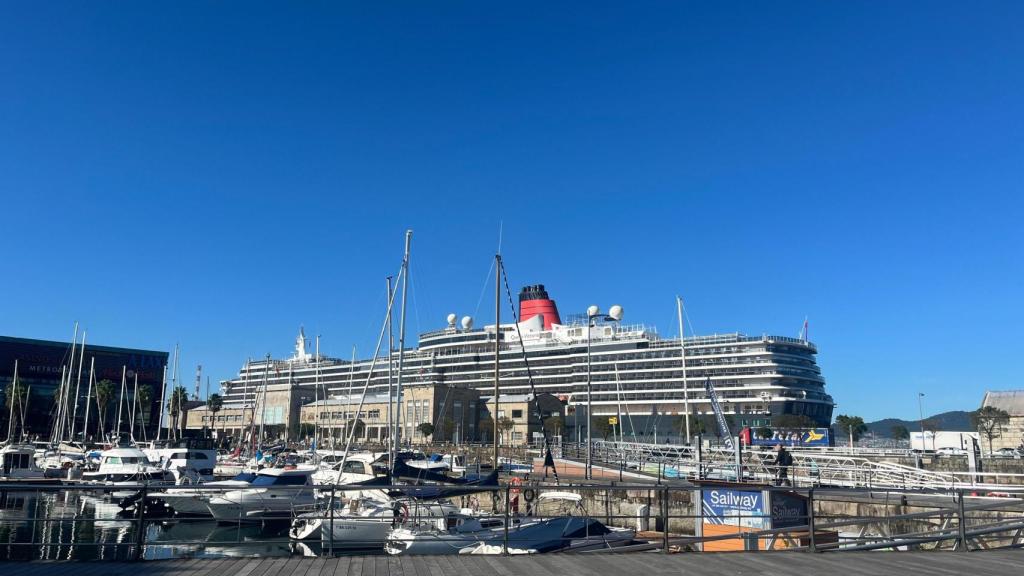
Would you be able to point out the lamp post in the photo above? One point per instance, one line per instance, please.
(593, 315)
(920, 412)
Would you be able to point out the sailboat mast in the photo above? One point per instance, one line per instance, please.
(13, 395)
(78, 384)
(401, 336)
(88, 394)
(120, 400)
(497, 349)
(135, 405)
(682, 355)
(316, 398)
(67, 389)
(392, 425)
(263, 396)
(160, 416)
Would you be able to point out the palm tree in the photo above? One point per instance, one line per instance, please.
(143, 398)
(213, 405)
(104, 394)
(176, 406)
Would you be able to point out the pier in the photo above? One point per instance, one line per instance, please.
(996, 563)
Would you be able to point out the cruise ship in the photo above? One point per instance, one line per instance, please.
(634, 373)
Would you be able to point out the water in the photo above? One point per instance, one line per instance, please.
(91, 526)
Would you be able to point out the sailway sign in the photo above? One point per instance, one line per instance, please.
(734, 507)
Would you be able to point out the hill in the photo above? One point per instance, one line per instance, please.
(957, 421)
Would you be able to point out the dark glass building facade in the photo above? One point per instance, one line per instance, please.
(41, 363)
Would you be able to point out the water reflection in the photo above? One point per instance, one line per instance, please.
(92, 526)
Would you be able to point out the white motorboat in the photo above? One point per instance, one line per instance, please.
(273, 494)
(186, 465)
(448, 535)
(192, 501)
(358, 467)
(364, 523)
(17, 462)
(127, 465)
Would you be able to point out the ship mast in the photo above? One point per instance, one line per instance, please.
(682, 355)
(497, 349)
(401, 338)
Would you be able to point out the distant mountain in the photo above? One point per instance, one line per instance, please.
(955, 421)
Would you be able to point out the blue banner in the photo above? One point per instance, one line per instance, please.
(734, 507)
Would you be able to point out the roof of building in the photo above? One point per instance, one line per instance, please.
(1012, 401)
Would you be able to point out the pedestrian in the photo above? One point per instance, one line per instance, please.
(783, 460)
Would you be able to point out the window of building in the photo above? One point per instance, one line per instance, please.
(517, 414)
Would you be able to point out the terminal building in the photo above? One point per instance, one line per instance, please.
(41, 364)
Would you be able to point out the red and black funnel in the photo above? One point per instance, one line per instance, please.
(534, 300)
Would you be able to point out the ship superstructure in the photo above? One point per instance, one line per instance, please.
(633, 370)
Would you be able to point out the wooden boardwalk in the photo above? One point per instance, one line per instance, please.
(1002, 562)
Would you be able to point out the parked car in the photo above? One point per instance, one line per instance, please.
(949, 451)
(1006, 453)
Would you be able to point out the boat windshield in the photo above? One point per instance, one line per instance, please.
(245, 477)
(267, 480)
(123, 460)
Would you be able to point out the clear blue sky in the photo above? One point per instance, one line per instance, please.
(218, 173)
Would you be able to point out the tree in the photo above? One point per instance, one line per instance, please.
(989, 421)
(486, 429)
(447, 428)
(104, 395)
(900, 432)
(426, 429)
(143, 398)
(601, 426)
(853, 425)
(213, 405)
(554, 425)
(176, 406)
(504, 425)
(792, 421)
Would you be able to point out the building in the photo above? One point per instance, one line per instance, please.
(277, 413)
(43, 364)
(522, 415)
(632, 370)
(453, 412)
(1010, 435)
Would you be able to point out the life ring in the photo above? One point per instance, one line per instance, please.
(529, 494)
(515, 485)
(66, 465)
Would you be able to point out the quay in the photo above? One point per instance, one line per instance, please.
(995, 563)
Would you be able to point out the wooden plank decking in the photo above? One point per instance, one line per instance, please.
(1002, 562)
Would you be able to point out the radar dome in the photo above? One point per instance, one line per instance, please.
(615, 312)
(593, 311)
(451, 319)
(467, 322)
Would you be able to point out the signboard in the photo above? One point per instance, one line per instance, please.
(731, 507)
(788, 437)
(788, 510)
(613, 420)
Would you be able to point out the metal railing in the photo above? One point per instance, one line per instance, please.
(89, 521)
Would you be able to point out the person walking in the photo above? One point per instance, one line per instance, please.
(783, 460)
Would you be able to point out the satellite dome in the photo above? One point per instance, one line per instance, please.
(615, 312)
(451, 319)
(467, 322)
(593, 311)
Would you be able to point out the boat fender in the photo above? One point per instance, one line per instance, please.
(529, 494)
(516, 485)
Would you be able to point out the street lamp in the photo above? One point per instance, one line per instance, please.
(593, 315)
(920, 412)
